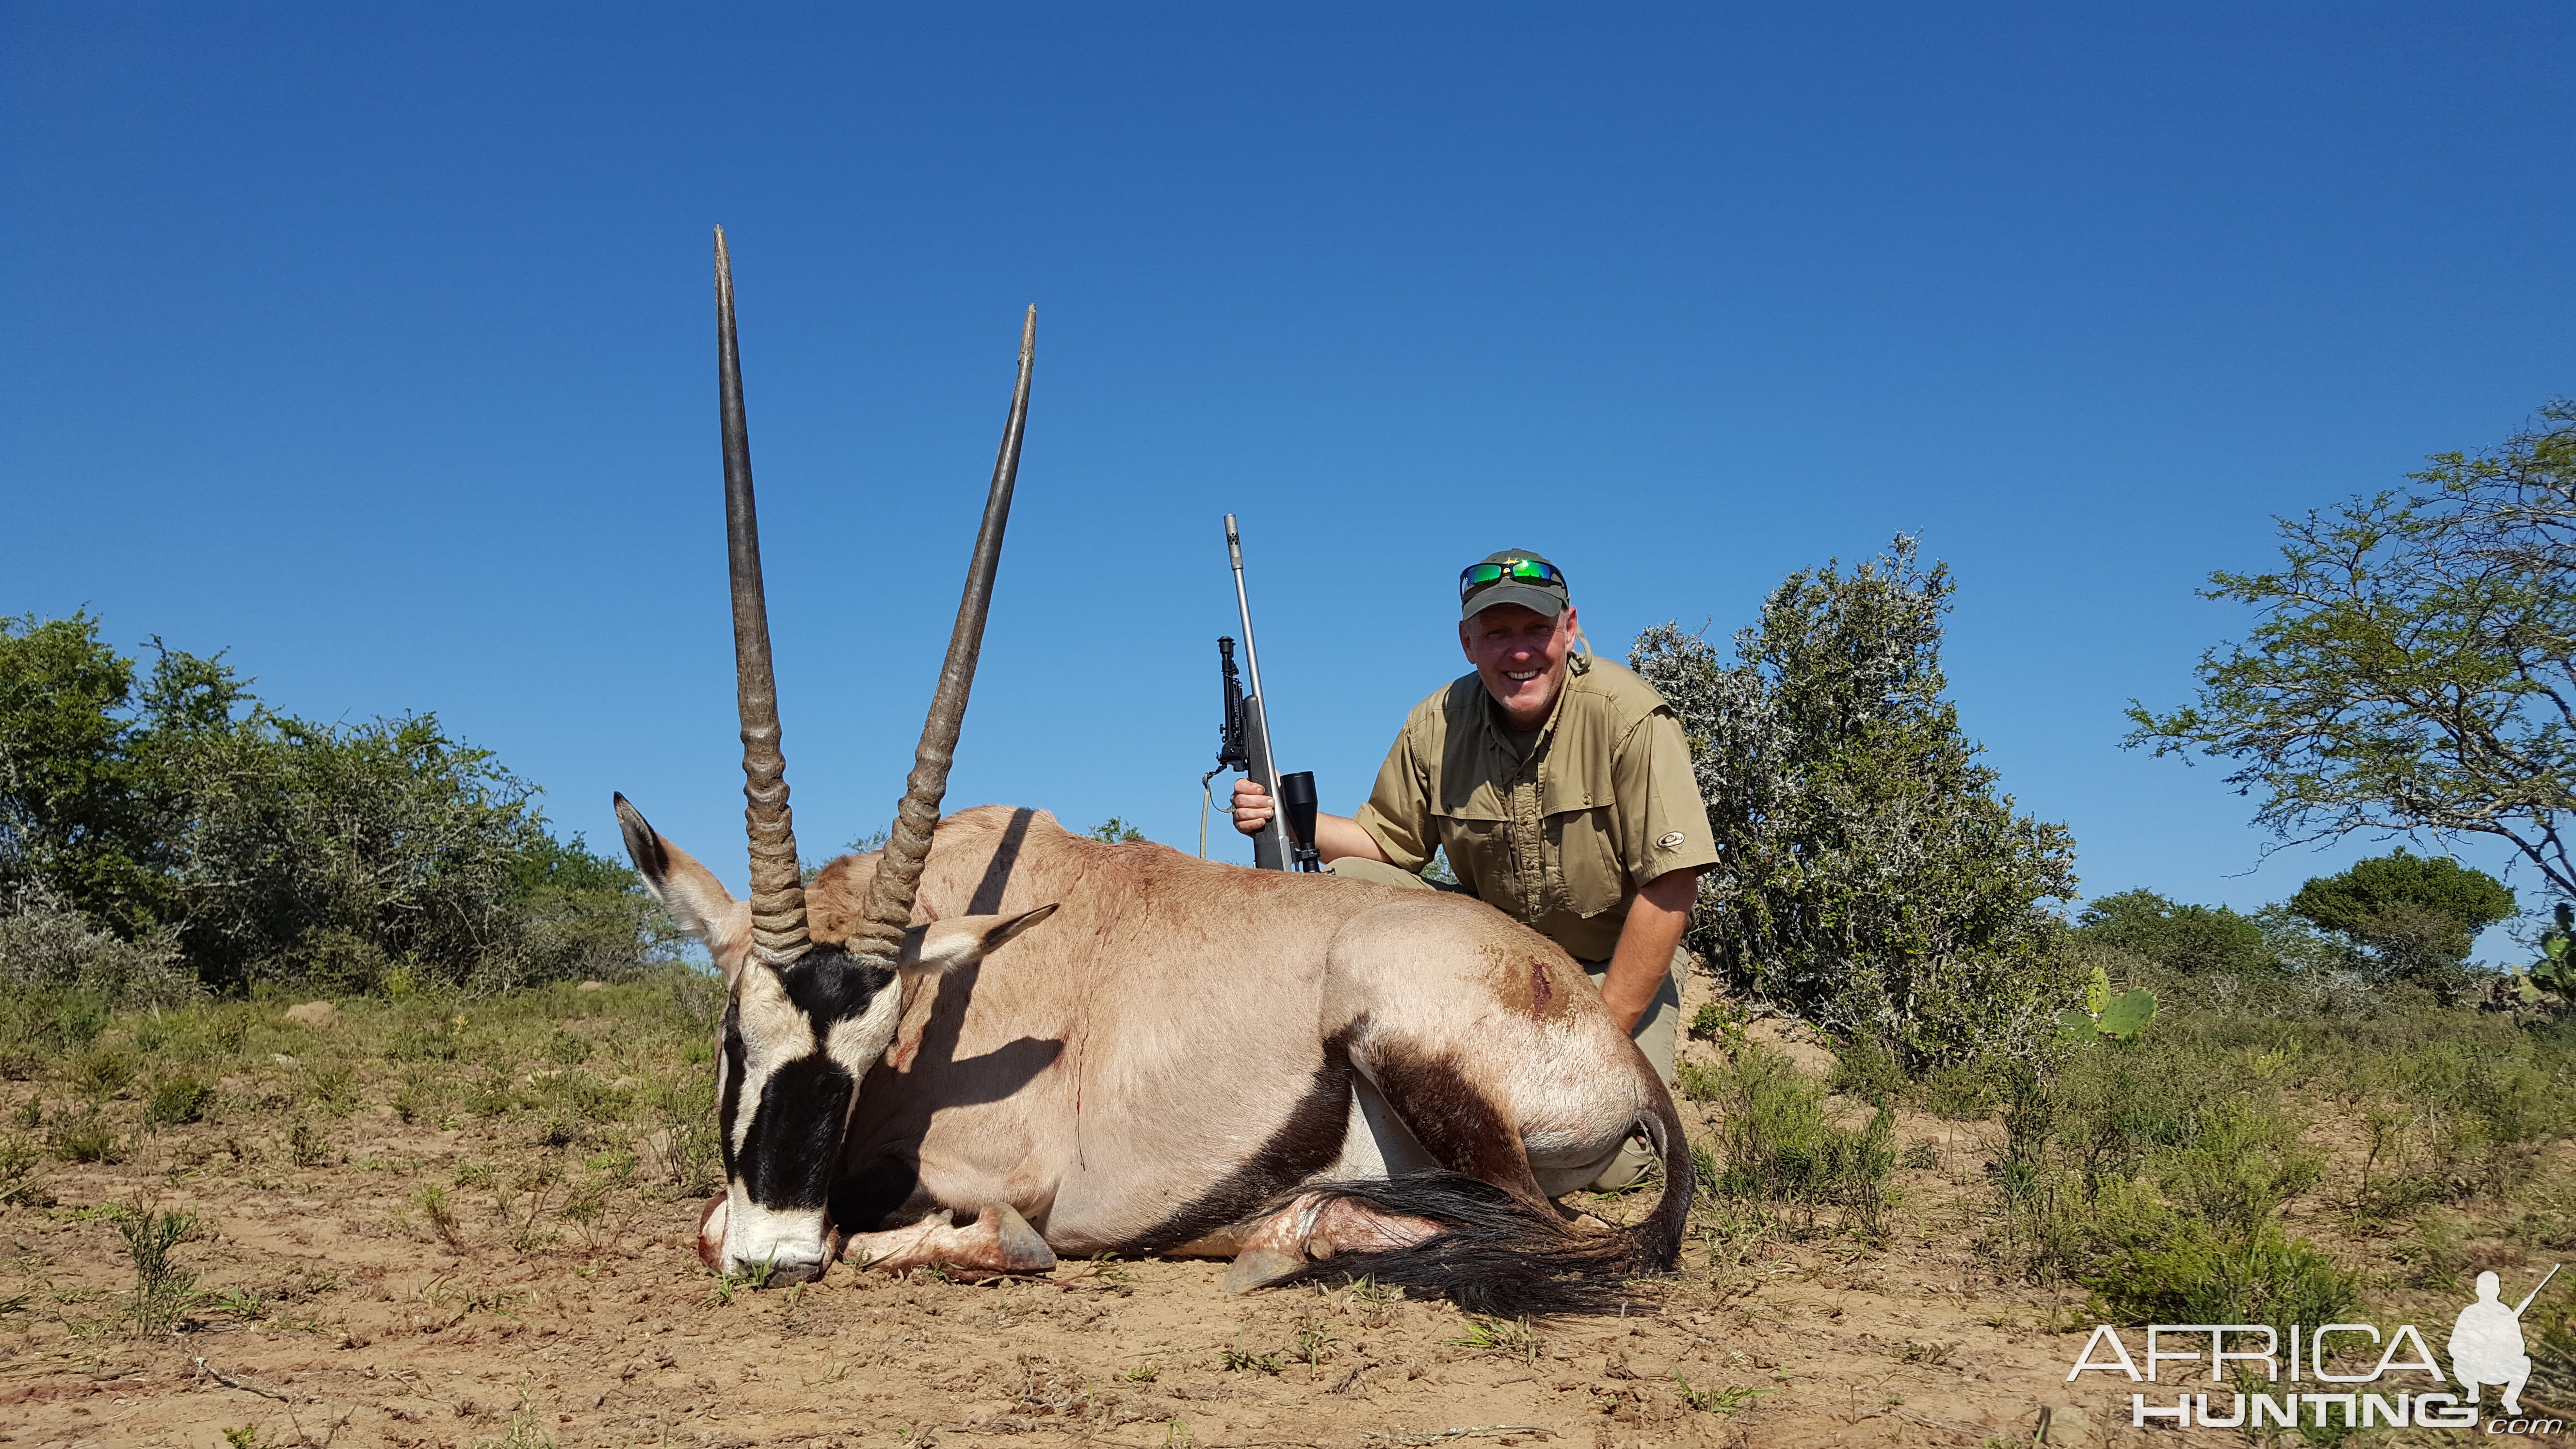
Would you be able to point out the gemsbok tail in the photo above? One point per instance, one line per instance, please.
(1500, 1253)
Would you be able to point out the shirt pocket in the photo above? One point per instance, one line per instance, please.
(1584, 875)
(1477, 835)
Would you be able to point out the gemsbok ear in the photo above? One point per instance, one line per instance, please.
(945, 946)
(697, 901)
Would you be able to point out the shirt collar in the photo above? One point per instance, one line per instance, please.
(1497, 733)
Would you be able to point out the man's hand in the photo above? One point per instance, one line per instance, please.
(1335, 835)
(1656, 919)
(1252, 806)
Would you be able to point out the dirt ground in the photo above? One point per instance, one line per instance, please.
(330, 1308)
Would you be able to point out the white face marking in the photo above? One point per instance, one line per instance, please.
(858, 1042)
(774, 1033)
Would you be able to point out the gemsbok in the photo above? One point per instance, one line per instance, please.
(995, 1042)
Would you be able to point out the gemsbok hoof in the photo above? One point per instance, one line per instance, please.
(1259, 1268)
(1022, 1250)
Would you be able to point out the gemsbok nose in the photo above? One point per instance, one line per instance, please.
(764, 1246)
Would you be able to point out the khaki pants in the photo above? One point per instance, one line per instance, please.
(1654, 1035)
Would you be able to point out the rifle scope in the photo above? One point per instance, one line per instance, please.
(1297, 802)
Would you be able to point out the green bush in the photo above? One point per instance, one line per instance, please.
(1779, 1146)
(1872, 878)
(2185, 938)
(165, 829)
(1968, 1092)
(177, 1099)
(86, 1138)
(2147, 1262)
(100, 1073)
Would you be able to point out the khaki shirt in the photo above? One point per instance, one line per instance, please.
(1560, 841)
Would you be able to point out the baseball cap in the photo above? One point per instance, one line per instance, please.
(1541, 589)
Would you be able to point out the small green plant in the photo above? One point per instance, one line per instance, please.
(162, 1289)
(1700, 1083)
(19, 1178)
(1721, 1021)
(179, 1099)
(2554, 974)
(432, 1200)
(1143, 1373)
(1934, 1354)
(1921, 1154)
(333, 1088)
(1509, 1337)
(1238, 1359)
(569, 1048)
(245, 1436)
(85, 1138)
(1779, 1145)
(240, 1303)
(306, 1147)
(1315, 1340)
(99, 1075)
(523, 1432)
(431, 1040)
(1717, 1400)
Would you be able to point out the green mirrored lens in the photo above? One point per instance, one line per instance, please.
(1530, 570)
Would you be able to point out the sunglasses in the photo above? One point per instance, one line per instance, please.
(1519, 570)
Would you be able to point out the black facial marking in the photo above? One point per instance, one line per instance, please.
(829, 987)
(794, 1142)
(729, 1105)
(795, 1139)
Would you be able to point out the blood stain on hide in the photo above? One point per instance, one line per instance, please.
(1523, 984)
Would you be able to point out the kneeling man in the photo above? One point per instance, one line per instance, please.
(1559, 786)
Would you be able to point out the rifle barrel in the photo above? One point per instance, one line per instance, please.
(1274, 835)
(2535, 1289)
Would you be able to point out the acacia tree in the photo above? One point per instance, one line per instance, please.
(1870, 876)
(2414, 667)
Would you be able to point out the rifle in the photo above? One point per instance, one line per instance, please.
(2535, 1291)
(1243, 743)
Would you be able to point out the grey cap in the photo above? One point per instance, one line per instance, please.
(1544, 598)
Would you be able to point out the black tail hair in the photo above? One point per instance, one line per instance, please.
(1501, 1253)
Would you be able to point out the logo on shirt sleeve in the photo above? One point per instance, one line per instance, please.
(1670, 842)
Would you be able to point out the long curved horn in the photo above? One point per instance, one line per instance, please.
(777, 896)
(888, 911)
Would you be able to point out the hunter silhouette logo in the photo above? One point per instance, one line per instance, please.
(2486, 1344)
(2486, 1347)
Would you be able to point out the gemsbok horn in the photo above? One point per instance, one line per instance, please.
(888, 911)
(777, 895)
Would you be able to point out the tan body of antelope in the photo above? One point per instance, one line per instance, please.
(1083, 1048)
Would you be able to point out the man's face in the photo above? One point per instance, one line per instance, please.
(1520, 654)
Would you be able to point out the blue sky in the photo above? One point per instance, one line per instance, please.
(374, 343)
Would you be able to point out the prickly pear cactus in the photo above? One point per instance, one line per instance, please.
(2554, 974)
(2119, 1017)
